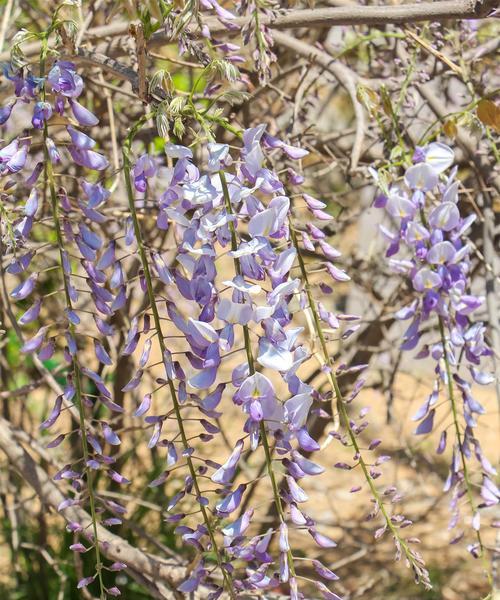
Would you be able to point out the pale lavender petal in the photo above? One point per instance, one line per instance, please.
(296, 515)
(426, 279)
(110, 436)
(231, 502)
(446, 216)
(85, 582)
(426, 425)
(421, 177)
(88, 158)
(336, 273)
(308, 466)
(80, 139)
(239, 526)
(296, 492)
(294, 152)
(275, 358)
(83, 115)
(31, 205)
(297, 410)
(324, 572)
(31, 314)
(442, 442)
(204, 379)
(226, 472)
(439, 156)
(321, 540)
(441, 253)
(284, 545)
(34, 343)
(144, 406)
(52, 418)
(101, 353)
(481, 377)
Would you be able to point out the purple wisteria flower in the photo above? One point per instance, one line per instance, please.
(430, 235)
(64, 80)
(64, 334)
(226, 335)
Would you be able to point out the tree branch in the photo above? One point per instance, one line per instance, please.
(315, 18)
(160, 575)
(343, 74)
(368, 15)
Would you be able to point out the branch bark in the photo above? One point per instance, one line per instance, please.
(315, 18)
(343, 74)
(369, 15)
(159, 575)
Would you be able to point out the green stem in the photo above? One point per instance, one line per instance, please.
(163, 348)
(454, 411)
(221, 121)
(341, 407)
(317, 324)
(458, 433)
(76, 367)
(251, 367)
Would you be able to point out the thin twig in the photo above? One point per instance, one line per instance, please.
(5, 22)
(345, 76)
(317, 18)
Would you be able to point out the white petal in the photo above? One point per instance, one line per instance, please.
(234, 312)
(439, 156)
(263, 223)
(274, 358)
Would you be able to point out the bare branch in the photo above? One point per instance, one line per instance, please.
(317, 18)
(161, 574)
(371, 15)
(345, 76)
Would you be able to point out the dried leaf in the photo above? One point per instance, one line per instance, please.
(450, 129)
(489, 114)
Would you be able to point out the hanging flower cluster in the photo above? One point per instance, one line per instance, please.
(241, 204)
(76, 250)
(233, 207)
(206, 211)
(428, 244)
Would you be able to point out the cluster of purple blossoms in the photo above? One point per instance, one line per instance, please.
(428, 244)
(240, 204)
(65, 334)
(66, 85)
(224, 207)
(236, 207)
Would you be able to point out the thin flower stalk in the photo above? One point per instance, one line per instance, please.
(319, 331)
(420, 572)
(156, 317)
(456, 425)
(251, 368)
(77, 375)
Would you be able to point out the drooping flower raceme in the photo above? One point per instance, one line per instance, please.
(231, 205)
(206, 211)
(65, 333)
(246, 209)
(428, 244)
